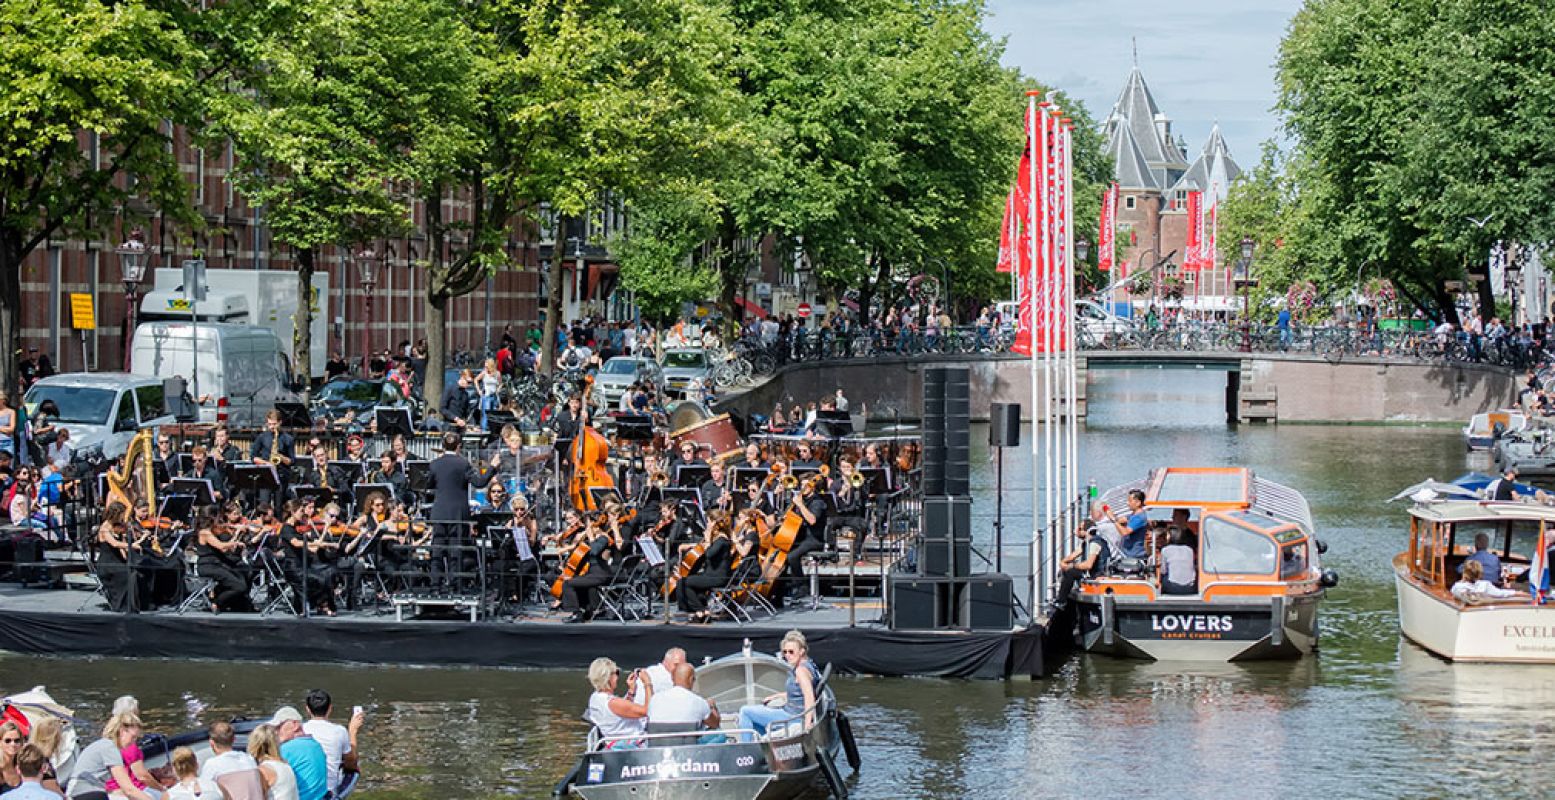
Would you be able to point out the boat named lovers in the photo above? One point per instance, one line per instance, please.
(1255, 563)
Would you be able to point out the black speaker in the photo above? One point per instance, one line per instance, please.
(935, 557)
(1004, 425)
(991, 602)
(933, 473)
(914, 603)
(958, 438)
(947, 517)
(953, 601)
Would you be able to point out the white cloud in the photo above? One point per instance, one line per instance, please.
(1205, 60)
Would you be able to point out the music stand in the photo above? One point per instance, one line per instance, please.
(603, 494)
(177, 506)
(804, 473)
(320, 496)
(198, 488)
(255, 477)
(833, 424)
(745, 475)
(652, 555)
(492, 520)
(876, 479)
(160, 472)
(692, 474)
(634, 428)
(520, 544)
(183, 462)
(351, 471)
(417, 473)
(392, 420)
(294, 415)
(360, 491)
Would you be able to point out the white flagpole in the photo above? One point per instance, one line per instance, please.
(1038, 586)
(1073, 422)
(1049, 435)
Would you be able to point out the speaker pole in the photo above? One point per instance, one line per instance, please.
(998, 511)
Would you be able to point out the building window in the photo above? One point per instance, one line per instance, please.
(1128, 202)
(1180, 200)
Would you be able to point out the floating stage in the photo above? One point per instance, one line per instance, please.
(54, 622)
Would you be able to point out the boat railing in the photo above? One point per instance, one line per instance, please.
(642, 740)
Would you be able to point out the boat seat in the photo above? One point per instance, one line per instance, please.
(1129, 566)
(696, 729)
(242, 785)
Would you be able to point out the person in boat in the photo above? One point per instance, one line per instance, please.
(279, 780)
(224, 760)
(302, 753)
(46, 735)
(11, 741)
(1136, 523)
(30, 763)
(1086, 560)
(660, 676)
(681, 705)
(1182, 518)
(338, 741)
(617, 718)
(190, 785)
(1473, 588)
(103, 761)
(1504, 488)
(1179, 575)
(1489, 563)
(799, 691)
(1107, 531)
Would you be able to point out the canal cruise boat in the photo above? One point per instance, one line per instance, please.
(1486, 427)
(1259, 580)
(1475, 628)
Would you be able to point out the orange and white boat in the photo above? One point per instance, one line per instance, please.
(1441, 537)
(1259, 580)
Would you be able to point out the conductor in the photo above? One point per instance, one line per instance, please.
(450, 478)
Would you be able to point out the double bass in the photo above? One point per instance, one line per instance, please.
(590, 450)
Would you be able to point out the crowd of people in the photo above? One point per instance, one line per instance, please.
(287, 757)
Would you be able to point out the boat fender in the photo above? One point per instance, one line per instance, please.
(1330, 579)
(849, 746)
(832, 774)
(567, 780)
(1322, 547)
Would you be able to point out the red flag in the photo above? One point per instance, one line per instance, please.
(1007, 254)
(1211, 255)
(1106, 237)
(1193, 248)
(1021, 235)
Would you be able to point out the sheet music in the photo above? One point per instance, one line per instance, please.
(650, 550)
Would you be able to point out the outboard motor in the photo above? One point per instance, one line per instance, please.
(1329, 579)
(1497, 431)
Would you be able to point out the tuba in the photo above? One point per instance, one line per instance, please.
(135, 479)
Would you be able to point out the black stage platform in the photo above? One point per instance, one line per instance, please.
(48, 622)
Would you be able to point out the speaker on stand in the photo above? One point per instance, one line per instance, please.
(1003, 431)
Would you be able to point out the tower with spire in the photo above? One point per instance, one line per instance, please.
(1150, 164)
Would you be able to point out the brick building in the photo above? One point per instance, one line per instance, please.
(1150, 164)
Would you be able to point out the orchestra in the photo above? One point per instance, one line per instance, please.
(334, 524)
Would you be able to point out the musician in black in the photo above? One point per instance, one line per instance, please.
(511, 453)
(314, 471)
(390, 473)
(811, 505)
(164, 461)
(804, 458)
(715, 492)
(450, 478)
(754, 458)
(306, 570)
(202, 467)
(124, 589)
(517, 576)
(850, 494)
(159, 557)
(274, 446)
(689, 456)
(566, 421)
(754, 497)
(710, 572)
(219, 550)
(579, 594)
(222, 450)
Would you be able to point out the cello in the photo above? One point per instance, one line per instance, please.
(782, 541)
(577, 561)
(716, 527)
(590, 450)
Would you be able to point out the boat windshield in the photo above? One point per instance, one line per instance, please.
(1511, 540)
(1232, 549)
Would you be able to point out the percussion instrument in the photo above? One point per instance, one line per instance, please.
(716, 434)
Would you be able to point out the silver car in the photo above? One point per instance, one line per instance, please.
(682, 365)
(618, 374)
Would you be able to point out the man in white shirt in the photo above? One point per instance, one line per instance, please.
(339, 743)
(661, 675)
(680, 705)
(225, 760)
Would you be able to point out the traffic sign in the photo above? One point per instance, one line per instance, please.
(804, 310)
(82, 317)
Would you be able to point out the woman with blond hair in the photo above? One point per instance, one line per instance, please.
(11, 741)
(46, 735)
(614, 716)
(488, 386)
(102, 763)
(265, 747)
(190, 785)
(798, 695)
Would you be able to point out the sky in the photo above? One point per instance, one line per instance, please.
(1204, 60)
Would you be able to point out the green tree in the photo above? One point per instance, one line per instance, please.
(87, 92)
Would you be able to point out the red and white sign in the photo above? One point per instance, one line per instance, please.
(1193, 248)
(1107, 235)
(803, 310)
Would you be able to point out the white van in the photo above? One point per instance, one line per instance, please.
(102, 410)
(243, 370)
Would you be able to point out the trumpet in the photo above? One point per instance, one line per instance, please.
(789, 482)
(856, 480)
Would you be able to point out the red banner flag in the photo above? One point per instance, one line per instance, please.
(1021, 235)
(1211, 255)
(1106, 236)
(1007, 255)
(1193, 248)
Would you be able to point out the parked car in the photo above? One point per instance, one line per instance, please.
(618, 374)
(1098, 324)
(358, 397)
(681, 366)
(102, 410)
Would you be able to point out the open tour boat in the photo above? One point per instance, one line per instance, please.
(1473, 627)
(1258, 577)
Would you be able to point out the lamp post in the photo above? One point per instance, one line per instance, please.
(367, 275)
(132, 269)
(1245, 281)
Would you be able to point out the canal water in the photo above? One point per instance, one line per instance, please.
(1369, 716)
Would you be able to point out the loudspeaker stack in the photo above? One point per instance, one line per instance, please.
(944, 593)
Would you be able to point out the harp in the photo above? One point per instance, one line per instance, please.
(134, 481)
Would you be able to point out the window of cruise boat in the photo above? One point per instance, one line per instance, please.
(1293, 561)
(1230, 548)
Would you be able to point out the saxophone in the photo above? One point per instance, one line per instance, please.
(275, 448)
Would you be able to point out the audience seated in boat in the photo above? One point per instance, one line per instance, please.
(1107, 531)
(1179, 574)
(680, 706)
(223, 758)
(1486, 557)
(302, 753)
(1085, 561)
(264, 746)
(1473, 588)
(1136, 523)
(1182, 518)
(615, 716)
(29, 775)
(190, 785)
(46, 735)
(798, 695)
(660, 676)
(103, 761)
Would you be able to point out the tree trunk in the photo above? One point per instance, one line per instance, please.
(10, 311)
(436, 300)
(1487, 296)
(1444, 303)
(553, 299)
(732, 275)
(302, 321)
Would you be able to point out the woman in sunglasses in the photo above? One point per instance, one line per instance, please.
(799, 692)
(11, 741)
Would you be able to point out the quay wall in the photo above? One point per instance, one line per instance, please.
(1286, 388)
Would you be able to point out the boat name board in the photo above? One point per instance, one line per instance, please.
(1528, 631)
(1189, 625)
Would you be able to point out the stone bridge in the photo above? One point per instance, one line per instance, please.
(1260, 387)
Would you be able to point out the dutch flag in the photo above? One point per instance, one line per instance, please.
(1538, 572)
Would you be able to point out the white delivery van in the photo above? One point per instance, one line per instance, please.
(243, 370)
(102, 410)
(260, 298)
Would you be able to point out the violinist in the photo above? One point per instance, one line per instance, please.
(810, 504)
(340, 542)
(219, 549)
(513, 571)
(113, 562)
(579, 594)
(572, 527)
(755, 499)
(306, 570)
(710, 572)
(156, 556)
(202, 467)
(380, 542)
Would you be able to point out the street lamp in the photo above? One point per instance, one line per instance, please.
(132, 268)
(1245, 282)
(367, 275)
(1082, 249)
